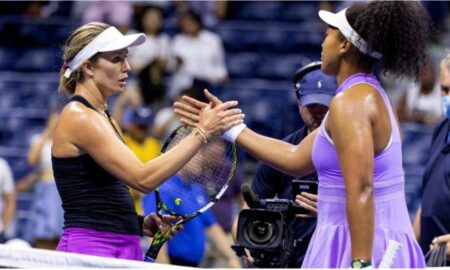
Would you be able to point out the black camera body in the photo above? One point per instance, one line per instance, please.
(263, 230)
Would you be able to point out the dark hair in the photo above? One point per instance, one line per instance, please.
(140, 26)
(399, 30)
(193, 16)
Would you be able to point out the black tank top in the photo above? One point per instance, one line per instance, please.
(91, 197)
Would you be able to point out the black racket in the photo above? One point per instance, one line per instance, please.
(196, 187)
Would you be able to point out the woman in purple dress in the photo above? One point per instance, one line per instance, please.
(357, 149)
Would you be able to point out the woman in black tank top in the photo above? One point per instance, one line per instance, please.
(91, 163)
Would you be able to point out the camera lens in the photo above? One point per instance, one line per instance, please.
(260, 231)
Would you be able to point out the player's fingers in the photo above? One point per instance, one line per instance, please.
(188, 122)
(233, 118)
(212, 97)
(193, 117)
(169, 218)
(232, 112)
(194, 102)
(186, 107)
(227, 105)
(153, 222)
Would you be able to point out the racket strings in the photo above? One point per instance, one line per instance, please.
(201, 179)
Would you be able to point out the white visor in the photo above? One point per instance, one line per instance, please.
(108, 40)
(339, 20)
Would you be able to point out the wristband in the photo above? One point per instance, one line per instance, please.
(232, 133)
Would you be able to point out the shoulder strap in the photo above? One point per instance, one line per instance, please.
(111, 120)
(82, 100)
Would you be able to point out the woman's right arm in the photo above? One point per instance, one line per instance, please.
(88, 131)
(291, 159)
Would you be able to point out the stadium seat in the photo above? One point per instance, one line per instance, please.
(299, 11)
(39, 59)
(8, 58)
(258, 10)
(242, 65)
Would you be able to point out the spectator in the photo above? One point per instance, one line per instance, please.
(155, 49)
(196, 53)
(8, 200)
(116, 13)
(211, 11)
(420, 102)
(432, 222)
(44, 226)
(136, 124)
(149, 60)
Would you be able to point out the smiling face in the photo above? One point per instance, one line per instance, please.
(111, 71)
(331, 51)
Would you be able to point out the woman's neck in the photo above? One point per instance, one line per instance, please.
(92, 94)
(346, 70)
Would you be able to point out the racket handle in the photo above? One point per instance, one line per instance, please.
(389, 255)
(148, 259)
(153, 251)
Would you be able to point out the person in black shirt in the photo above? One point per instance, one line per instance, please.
(314, 92)
(91, 163)
(432, 222)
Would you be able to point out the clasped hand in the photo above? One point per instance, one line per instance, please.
(215, 117)
(153, 222)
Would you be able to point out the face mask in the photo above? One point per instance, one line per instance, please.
(446, 106)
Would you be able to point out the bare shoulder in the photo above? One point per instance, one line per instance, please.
(358, 100)
(76, 116)
(77, 125)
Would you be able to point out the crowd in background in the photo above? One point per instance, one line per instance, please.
(180, 62)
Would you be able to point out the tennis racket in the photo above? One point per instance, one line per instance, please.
(196, 187)
(389, 255)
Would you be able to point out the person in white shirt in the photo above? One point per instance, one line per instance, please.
(156, 47)
(8, 199)
(420, 102)
(196, 53)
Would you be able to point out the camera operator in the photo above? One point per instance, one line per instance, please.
(314, 91)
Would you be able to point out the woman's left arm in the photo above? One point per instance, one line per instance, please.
(350, 126)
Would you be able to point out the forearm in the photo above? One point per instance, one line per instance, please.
(9, 210)
(276, 153)
(360, 216)
(220, 241)
(35, 151)
(163, 167)
(163, 255)
(416, 223)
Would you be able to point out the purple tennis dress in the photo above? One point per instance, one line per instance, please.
(330, 246)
